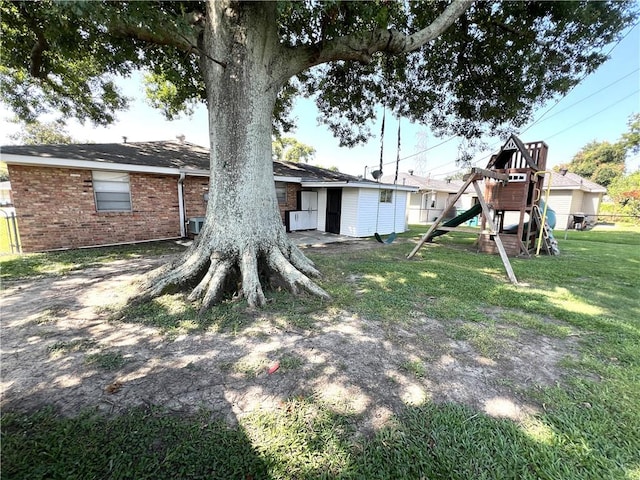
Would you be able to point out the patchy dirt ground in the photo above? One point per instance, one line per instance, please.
(58, 348)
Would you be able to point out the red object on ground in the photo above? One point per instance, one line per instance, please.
(273, 368)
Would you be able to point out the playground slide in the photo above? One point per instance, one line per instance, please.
(551, 223)
(454, 222)
(551, 215)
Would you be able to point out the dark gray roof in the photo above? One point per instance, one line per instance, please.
(311, 173)
(170, 154)
(424, 183)
(157, 154)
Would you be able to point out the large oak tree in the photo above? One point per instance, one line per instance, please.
(459, 67)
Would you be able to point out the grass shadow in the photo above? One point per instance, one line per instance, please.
(306, 440)
(59, 263)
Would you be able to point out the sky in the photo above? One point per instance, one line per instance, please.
(597, 109)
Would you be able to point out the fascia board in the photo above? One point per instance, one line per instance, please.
(195, 173)
(406, 188)
(563, 187)
(279, 178)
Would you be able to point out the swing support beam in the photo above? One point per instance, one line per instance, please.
(472, 179)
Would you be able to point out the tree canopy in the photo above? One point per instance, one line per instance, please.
(41, 133)
(631, 138)
(288, 149)
(600, 162)
(484, 74)
(625, 191)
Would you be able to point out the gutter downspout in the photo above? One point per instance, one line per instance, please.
(183, 232)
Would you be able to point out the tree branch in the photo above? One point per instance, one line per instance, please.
(165, 38)
(36, 68)
(362, 46)
(528, 35)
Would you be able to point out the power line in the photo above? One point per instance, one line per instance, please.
(414, 154)
(611, 105)
(540, 119)
(595, 114)
(580, 81)
(430, 148)
(593, 94)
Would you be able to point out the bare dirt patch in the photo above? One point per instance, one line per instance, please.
(59, 348)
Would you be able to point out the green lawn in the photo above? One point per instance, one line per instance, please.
(59, 263)
(587, 428)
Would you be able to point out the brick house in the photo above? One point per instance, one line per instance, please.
(80, 195)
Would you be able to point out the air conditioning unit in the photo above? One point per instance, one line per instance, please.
(195, 225)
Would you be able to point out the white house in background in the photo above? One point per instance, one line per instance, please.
(570, 194)
(427, 203)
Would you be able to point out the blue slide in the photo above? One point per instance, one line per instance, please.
(550, 220)
(551, 215)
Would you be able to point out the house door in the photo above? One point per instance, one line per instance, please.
(334, 206)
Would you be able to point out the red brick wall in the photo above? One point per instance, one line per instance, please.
(292, 199)
(56, 209)
(194, 189)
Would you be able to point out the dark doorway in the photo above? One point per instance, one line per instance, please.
(334, 206)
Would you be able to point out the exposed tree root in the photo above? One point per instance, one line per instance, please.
(251, 288)
(184, 270)
(216, 283)
(216, 275)
(301, 262)
(292, 276)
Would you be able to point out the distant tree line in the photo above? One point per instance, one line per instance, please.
(604, 164)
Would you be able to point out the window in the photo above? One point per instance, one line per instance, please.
(281, 192)
(111, 190)
(428, 200)
(386, 196)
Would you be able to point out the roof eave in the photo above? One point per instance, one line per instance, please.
(330, 183)
(282, 178)
(577, 187)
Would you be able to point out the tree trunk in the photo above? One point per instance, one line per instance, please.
(243, 244)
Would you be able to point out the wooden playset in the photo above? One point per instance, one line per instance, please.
(512, 183)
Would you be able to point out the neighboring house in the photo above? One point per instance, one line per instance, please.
(572, 195)
(69, 196)
(432, 196)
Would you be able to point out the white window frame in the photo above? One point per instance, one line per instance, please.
(281, 192)
(386, 195)
(111, 191)
(428, 200)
